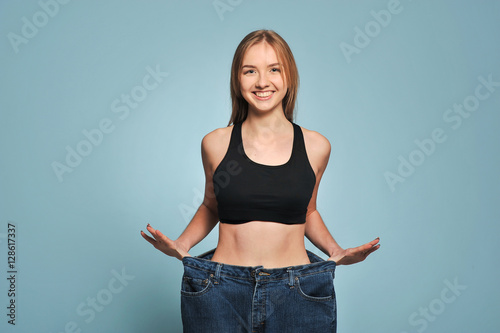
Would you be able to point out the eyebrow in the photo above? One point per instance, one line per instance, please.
(252, 66)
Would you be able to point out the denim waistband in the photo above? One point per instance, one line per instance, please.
(203, 262)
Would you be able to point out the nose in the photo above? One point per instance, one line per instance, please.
(262, 82)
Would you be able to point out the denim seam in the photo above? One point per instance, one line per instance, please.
(313, 273)
(200, 268)
(198, 293)
(315, 298)
(283, 277)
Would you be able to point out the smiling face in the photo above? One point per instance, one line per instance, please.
(262, 80)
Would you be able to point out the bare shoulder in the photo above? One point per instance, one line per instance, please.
(214, 146)
(318, 149)
(212, 141)
(316, 142)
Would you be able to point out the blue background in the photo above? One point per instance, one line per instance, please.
(76, 232)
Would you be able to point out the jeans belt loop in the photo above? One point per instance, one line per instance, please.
(290, 277)
(217, 273)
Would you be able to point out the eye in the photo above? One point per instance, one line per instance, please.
(275, 70)
(250, 71)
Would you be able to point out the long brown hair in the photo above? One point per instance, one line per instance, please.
(285, 57)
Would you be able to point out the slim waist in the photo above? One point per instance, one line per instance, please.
(203, 262)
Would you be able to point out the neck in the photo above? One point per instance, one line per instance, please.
(271, 124)
(274, 120)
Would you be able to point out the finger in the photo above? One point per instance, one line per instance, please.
(150, 228)
(162, 236)
(363, 248)
(373, 249)
(153, 231)
(374, 242)
(370, 245)
(153, 240)
(148, 238)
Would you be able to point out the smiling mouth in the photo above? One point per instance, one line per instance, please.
(263, 94)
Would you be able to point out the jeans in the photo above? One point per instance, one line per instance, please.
(216, 297)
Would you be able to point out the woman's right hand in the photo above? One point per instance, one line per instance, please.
(165, 244)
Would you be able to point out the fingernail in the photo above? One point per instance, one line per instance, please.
(149, 225)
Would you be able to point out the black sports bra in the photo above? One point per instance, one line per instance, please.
(248, 191)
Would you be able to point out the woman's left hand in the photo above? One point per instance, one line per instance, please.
(356, 254)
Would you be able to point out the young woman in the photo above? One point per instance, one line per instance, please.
(262, 177)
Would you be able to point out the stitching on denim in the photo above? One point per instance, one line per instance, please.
(198, 293)
(290, 278)
(315, 298)
(282, 277)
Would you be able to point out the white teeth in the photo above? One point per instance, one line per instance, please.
(264, 94)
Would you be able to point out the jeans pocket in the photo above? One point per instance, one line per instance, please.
(195, 281)
(193, 286)
(317, 286)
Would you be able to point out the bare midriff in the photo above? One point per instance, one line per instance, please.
(259, 243)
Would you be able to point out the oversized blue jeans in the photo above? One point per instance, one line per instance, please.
(216, 297)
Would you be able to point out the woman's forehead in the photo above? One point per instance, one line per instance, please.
(261, 53)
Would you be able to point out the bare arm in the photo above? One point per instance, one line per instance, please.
(318, 148)
(318, 234)
(316, 231)
(205, 218)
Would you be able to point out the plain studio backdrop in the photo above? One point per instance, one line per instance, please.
(104, 105)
